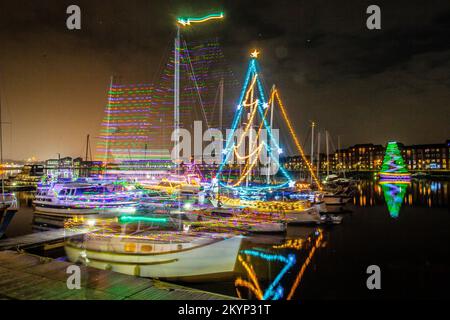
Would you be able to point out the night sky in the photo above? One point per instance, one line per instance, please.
(366, 86)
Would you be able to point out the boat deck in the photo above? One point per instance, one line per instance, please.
(28, 277)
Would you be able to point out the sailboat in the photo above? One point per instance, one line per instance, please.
(139, 246)
(335, 194)
(8, 201)
(238, 183)
(156, 247)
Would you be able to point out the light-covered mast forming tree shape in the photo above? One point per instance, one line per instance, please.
(253, 110)
(252, 113)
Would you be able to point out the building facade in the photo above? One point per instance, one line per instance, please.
(427, 156)
(369, 157)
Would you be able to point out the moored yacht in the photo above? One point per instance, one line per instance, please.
(83, 198)
(138, 246)
(176, 185)
(295, 211)
(8, 208)
(27, 180)
(338, 195)
(239, 220)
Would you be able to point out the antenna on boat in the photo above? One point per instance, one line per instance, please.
(328, 160)
(269, 166)
(88, 148)
(318, 153)
(221, 104)
(313, 124)
(108, 120)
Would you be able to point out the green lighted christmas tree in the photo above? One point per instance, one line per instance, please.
(393, 164)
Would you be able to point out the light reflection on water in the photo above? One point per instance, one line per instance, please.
(417, 193)
(323, 258)
(275, 271)
(387, 227)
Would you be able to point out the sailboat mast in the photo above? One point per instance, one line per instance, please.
(312, 147)
(328, 157)
(271, 124)
(318, 153)
(176, 104)
(339, 154)
(1, 147)
(108, 117)
(87, 147)
(221, 105)
(250, 137)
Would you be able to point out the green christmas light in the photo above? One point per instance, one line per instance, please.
(394, 193)
(187, 21)
(130, 219)
(393, 160)
(393, 167)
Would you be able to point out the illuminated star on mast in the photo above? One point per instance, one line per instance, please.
(255, 54)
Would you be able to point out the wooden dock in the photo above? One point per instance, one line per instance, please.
(38, 239)
(28, 277)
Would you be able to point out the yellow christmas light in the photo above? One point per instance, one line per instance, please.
(305, 265)
(294, 136)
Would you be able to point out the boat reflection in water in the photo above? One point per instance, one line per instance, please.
(394, 194)
(154, 246)
(274, 272)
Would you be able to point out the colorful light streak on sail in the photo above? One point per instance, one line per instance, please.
(202, 67)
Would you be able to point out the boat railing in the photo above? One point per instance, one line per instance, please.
(103, 198)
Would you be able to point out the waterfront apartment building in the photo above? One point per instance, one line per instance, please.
(369, 157)
(359, 157)
(427, 156)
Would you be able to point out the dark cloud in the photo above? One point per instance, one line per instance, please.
(368, 86)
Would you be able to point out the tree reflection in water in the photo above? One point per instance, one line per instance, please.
(394, 193)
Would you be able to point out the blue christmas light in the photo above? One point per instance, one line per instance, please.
(262, 104)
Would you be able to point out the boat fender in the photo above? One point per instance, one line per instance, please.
(137, 271)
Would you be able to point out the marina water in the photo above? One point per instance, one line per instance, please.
(403, 231)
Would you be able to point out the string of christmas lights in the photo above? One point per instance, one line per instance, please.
(252, 87)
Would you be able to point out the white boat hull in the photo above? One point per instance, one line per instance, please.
(269, 228)
(204, 262)
(69, 212)
(310, 215)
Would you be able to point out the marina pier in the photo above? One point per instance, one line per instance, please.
(29, 277)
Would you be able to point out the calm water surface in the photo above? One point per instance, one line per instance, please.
(404, 229)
